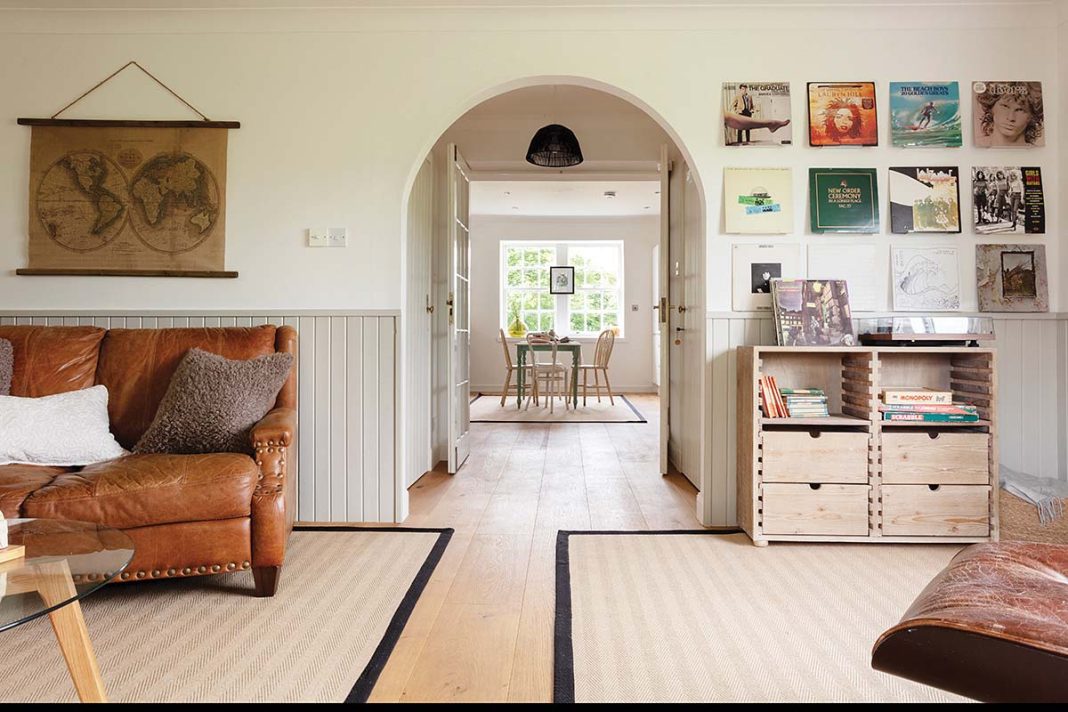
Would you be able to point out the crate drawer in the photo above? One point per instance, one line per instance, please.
(815, 509)
(944, 459)
(936, 510)
(799, 456)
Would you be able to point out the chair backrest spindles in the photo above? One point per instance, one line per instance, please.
(605, 343)
(507, 353)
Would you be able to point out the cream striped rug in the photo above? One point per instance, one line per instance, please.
(694, 617)
(487, 408)
(342, 601)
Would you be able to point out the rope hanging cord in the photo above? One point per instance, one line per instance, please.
(118, 71)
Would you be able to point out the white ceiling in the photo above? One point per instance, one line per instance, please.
(570, 198)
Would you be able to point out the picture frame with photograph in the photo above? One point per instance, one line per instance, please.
(561, 280)
(1012, 278)
(755, 266)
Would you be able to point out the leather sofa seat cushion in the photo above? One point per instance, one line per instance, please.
(137, 364)
(17, 482)
(52, 359)
(140, 490)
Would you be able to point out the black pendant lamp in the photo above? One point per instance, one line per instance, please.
(554, 146)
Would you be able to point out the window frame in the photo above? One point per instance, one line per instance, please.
(562, 312)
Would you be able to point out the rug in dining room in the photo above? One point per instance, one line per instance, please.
(487, 408)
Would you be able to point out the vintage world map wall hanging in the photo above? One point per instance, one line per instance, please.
(141, 198)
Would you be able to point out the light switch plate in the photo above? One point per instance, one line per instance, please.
(318, 237)
(338, 237)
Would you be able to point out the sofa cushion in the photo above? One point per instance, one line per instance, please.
(140, 490)
(52, 359)
(213, 402)
(18, 481)
(7, 364)
(137, 365)
(67, 429)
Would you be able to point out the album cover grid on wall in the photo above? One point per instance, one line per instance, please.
(1005, 199)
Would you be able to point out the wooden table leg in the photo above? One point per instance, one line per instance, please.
(576, 358)
(54, 584)
(521, 358)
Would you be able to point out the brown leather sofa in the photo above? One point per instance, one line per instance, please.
(992, 626)
(188, 515)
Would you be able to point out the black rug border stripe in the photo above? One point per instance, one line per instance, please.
(361, 691)
(633, 408)
(563, 643)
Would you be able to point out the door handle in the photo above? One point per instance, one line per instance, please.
(429, 306)
(450, 302)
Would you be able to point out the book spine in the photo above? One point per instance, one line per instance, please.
(931, 417)
(917, 398)
(955, 409)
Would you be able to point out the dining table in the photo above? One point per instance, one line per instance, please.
(521, 350)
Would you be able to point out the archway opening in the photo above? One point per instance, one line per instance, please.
(629, 221)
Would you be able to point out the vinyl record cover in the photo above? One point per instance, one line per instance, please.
(925, 114)
(755, 265)
(758, 200)
(1012, 278)
(811, 312)
(1008, 114)
(925, 199)
(926, 278)
(842, 114)
(1008, 200)
(756, 114)
(843, 200)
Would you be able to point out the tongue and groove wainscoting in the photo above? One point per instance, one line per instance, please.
(1032, 395)
(347, 450)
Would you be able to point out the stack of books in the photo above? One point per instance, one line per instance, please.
(791, 402)
(925, 405)
(805, 402)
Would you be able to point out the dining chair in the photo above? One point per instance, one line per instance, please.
(511, 369)
(553, 374)
(601, 356)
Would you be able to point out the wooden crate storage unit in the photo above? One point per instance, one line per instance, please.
(854, 477)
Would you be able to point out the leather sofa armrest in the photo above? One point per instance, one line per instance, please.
(272, 439)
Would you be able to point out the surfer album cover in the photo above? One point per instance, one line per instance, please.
(925, 114)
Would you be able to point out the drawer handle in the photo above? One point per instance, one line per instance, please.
(933, 436)
(814, 433)
(934, 488)
(814, 485)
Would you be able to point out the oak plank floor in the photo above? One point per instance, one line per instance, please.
(482, 631)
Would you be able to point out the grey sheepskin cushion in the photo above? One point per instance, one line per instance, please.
(212, 403)
(7, 366)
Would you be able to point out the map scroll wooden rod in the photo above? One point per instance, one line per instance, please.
(118, 123)
(51, 272)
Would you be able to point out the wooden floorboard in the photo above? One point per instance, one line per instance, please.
(483, 629)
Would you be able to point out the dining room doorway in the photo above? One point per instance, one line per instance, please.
(490, 230)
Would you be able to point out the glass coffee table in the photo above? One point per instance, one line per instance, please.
(63, 563)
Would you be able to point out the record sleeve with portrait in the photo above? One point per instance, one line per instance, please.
(1008, 200)
(1008, 114)
(842, 114)
(756, 114)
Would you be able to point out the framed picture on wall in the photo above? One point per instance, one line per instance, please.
(561, 280)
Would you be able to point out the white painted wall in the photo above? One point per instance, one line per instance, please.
(632, 358)
(340, 105)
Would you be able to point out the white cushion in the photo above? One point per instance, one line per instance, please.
(67, 429)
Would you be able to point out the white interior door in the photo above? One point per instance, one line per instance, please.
(459, 308)
(664, 308)
(656, 315)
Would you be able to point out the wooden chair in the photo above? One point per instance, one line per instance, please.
(601, 356)
(509, 370)
(554, 375)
